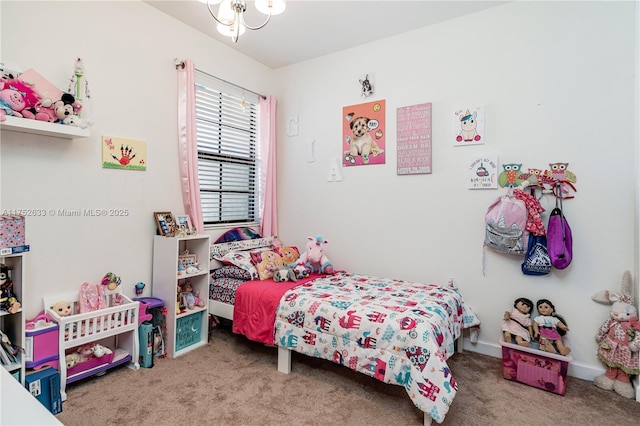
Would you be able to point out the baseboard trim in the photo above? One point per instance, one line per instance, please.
(576, 369)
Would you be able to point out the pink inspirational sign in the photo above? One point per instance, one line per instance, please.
(414, 139)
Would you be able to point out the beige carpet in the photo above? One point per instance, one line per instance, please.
(233, 381)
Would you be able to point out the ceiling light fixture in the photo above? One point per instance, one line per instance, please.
(230, 16)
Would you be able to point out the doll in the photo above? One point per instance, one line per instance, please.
(191, 298)
(8, 300)
(618, 340)
(64, 308)
(549, 327)
(516, 322)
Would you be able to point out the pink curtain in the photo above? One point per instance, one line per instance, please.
(188, 144)
(269, 225)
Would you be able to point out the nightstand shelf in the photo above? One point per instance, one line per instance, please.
(187, 328)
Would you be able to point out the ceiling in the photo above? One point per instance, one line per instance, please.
(310, 29)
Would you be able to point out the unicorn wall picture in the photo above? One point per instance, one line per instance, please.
(468, 124)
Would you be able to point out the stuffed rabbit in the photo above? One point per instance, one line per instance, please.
(619, 340)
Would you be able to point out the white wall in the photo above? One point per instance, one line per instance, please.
(128, 50)
(557, 82)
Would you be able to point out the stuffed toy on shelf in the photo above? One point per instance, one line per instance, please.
(8, 300)
(17, 99)
(191, 298)
(618, 340)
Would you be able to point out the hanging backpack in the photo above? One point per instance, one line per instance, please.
(537, 260)
(560, 241)
(505, 225)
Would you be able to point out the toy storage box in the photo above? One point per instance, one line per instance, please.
(536, 368)
(41, 346)
(11, 231)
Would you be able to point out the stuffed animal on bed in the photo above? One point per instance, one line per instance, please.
(285, 274)
(301, 272)
(314, 258)
(618, 340)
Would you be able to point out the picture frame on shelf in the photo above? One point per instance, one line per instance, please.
(183, 222)
(165, 222)
(186, 260)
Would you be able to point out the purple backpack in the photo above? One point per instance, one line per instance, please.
(559, 241)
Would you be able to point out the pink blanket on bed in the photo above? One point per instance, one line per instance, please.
(254, 311)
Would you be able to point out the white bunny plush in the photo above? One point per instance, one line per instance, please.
(618, 340)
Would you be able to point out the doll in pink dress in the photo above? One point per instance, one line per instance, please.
(516, 322)
(549, 327)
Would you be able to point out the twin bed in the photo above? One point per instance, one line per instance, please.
(396, 331)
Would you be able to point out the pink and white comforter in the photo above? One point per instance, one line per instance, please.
(396, 331)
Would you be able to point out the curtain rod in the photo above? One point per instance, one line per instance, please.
(179, 63)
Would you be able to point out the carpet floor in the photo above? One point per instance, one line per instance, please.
(233, 381)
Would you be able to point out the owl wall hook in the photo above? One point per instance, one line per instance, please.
(367, 88)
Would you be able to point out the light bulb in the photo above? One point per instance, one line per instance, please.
(275, 7)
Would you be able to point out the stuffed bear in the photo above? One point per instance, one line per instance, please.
(618, 340)
(314, 258)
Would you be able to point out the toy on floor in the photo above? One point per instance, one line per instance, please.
(618, 340)
(549, 327)
(8, 300)
(314, 258)
(516, 322)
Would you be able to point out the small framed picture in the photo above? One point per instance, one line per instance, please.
(186, 260)
(184, 223)
(165, 222)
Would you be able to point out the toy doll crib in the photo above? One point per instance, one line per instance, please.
(119, 320)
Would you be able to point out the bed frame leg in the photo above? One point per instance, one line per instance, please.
(284, 360)
(427, 419)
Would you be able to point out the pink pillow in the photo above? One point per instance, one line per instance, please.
(289, 254)
(266, 262)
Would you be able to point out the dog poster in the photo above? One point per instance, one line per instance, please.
(363, 134)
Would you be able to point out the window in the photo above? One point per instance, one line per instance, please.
(228, 152)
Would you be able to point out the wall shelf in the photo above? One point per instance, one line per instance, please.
(35, 127)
